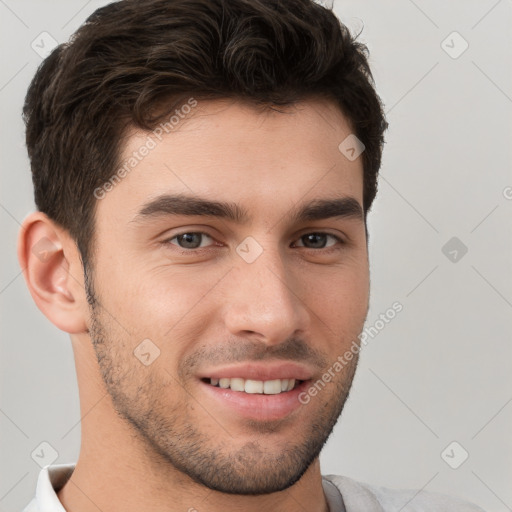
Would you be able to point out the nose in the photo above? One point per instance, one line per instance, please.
(265, 299)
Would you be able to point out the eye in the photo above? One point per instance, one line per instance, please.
(189, 240)
(318, 240)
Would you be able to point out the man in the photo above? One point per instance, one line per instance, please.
(203, 171)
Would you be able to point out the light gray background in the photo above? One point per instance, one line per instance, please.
(441, 370)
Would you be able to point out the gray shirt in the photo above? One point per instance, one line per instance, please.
(346, 495)
(343, 495)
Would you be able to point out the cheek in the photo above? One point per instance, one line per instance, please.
(169, 306)
(347, 275)
(159, 295)
(344, 310)
(340, 300)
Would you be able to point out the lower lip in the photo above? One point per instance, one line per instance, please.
(257, 406)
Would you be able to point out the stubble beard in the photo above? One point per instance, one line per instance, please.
(174, 440)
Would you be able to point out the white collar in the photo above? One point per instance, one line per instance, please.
(50, 481)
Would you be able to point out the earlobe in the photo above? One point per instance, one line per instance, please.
(52, 270)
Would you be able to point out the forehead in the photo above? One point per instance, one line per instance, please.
(228, 150)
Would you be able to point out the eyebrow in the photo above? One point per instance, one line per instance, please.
(180, 204)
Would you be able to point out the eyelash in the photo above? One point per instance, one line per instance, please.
(198, 249)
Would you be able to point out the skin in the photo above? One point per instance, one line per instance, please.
(151, 438)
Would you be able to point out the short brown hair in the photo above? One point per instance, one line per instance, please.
(131, 57)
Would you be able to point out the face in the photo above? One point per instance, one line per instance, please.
(255, 277)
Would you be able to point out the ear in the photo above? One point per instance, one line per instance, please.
(52, 268)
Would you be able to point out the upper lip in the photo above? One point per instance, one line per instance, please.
(260, 371)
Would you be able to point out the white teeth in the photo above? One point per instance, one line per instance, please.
(253, 386)
(237, 384)
(272, 387)
(267, 387)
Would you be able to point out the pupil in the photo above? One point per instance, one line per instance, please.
(311, 238)
(187, 238)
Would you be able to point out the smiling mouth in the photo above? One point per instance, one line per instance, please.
(267, 387)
